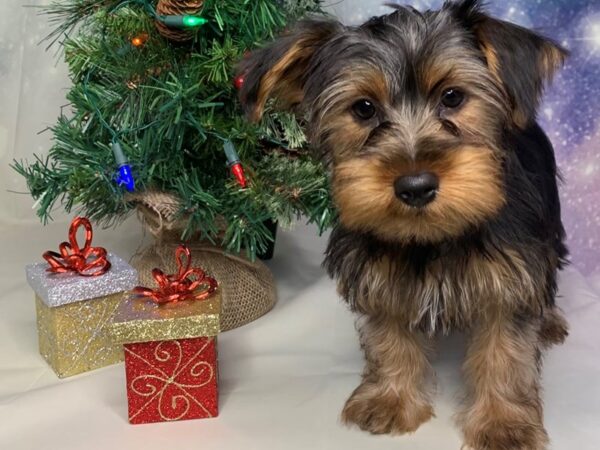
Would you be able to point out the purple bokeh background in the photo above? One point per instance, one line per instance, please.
(570, 115)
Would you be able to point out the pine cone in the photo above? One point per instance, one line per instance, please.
(177, 7)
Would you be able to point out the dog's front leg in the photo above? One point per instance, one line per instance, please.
(392, 397)
(504, 410)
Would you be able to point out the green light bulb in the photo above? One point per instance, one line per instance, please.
(177, 21)
(193, 21)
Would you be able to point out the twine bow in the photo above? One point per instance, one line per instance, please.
(87, 261)
(179, 286)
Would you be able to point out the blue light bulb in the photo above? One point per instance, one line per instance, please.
(125, 176)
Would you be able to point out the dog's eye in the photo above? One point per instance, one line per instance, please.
(452, 98)
(364, 109)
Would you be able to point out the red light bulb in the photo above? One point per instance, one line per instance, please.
(238, 82)
(238, 171)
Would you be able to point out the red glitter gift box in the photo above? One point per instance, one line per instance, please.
(169, 337)
(171, 380)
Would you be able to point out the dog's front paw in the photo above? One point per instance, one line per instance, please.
(508, 436)
(379, 413)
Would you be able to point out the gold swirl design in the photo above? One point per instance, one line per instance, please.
(153, 386)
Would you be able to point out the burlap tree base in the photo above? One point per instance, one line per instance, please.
(247, 287)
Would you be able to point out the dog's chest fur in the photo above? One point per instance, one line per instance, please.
(430, 290)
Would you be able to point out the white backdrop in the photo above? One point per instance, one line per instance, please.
(33, 85)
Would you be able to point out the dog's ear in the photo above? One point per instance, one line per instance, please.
(280, 69)
(522, 60)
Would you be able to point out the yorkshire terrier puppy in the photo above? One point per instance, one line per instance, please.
(449, 215)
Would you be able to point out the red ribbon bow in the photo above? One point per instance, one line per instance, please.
(87, 261)
(179, 286)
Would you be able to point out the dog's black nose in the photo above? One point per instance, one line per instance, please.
(417, 190)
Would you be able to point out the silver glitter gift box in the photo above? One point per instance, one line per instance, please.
(74, 315)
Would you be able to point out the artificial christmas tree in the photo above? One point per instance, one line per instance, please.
(153, 109)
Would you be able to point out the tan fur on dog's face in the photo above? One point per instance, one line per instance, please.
(470, 192)
(368, 156)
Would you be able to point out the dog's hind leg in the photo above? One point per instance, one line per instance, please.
(392, 397)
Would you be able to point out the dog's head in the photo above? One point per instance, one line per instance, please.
(409, 110)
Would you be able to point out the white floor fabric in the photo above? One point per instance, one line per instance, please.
(283, 378)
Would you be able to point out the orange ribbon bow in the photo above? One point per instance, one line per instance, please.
(87, 261)
(179, 287)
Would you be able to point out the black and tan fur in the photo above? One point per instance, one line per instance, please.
(483, 255)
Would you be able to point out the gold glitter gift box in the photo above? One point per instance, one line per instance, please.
(74, 315)
(170, 358)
